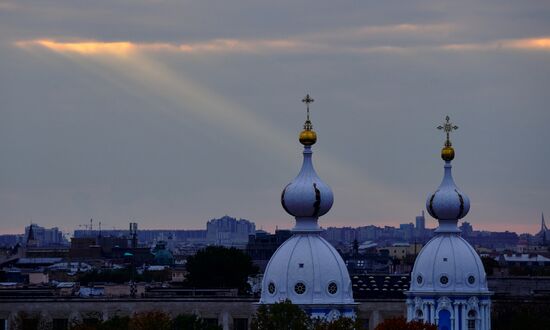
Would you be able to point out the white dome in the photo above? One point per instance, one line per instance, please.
(448, 202)
(448, 264)
(307, 196)
(307, 270)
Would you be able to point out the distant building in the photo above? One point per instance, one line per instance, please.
(371, 263)
(228, 231)
(150, 236)
(402, 250)
(466, 229)
(407, 231)
(523, 260)
(30, 240)
(107, 247)
(367, 233)
(41, 237)
(341, 235)
(420, 228)
(10, 240)
(543, 236)
(493, 240)
(262, 245)
(84, 248)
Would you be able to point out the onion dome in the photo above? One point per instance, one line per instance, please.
(307, 197)
(448, 203)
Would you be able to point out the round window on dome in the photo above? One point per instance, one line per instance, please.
(300, 288)
(419, 279)
(332, 288)
(471, 279)
(444, 280)
(271, 287)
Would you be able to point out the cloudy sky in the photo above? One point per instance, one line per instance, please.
(173, 112)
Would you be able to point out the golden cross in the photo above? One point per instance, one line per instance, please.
(447, 127)
(307, 100)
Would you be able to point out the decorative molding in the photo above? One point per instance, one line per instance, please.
(473, 303)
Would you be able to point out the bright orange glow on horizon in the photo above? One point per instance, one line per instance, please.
(257, 46)
(119, 48)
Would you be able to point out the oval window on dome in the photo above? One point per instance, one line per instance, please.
(444, 280)
(471, 279)
(300, 288)
(419, 279)
(332, 288)
(271, 287)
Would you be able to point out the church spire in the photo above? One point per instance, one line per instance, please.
(448, 152)
(30, 237)
(308, 137)
(447, 203)
(307, 197)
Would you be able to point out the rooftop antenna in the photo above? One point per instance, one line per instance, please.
(133, 233)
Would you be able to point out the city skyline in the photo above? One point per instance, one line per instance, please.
(271, 229)
(168, 113)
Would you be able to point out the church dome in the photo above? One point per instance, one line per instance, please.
(448, 202)
(448, 264)
(307, 195)
(162, 255)
(448, 282)
(307, 270)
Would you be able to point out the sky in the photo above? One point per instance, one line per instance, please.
(173, 112)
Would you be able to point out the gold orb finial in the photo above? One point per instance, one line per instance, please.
(448, 152)
(308, 136)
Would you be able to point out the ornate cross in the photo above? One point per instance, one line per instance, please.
(307, 100)
(447, 127)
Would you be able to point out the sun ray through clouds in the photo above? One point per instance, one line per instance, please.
(129, 61)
